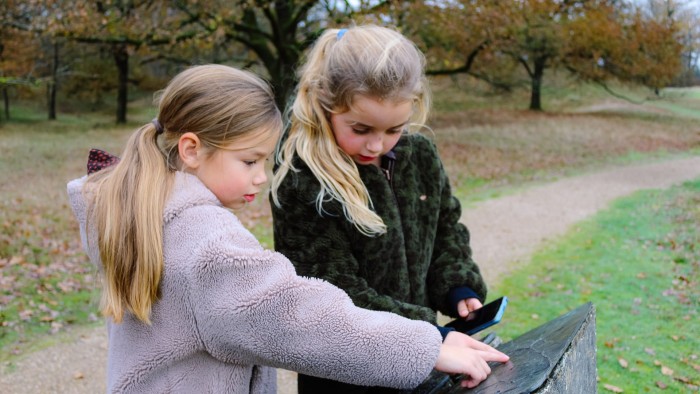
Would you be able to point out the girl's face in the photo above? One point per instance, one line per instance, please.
(237, 173)
(371, 128)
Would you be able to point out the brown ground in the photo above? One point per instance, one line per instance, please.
(505, 231)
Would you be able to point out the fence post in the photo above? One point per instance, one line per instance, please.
(556, 357)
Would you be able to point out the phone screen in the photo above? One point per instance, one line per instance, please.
(481, 318)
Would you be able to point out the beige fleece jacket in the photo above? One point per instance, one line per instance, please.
(229, 310)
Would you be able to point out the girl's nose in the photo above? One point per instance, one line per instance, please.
(260, 178)
(375, 144)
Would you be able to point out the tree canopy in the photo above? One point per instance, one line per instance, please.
(507, 44)
(596, 40)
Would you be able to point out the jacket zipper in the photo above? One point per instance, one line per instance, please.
(387, 167)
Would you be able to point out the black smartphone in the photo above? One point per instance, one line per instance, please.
(481, 318)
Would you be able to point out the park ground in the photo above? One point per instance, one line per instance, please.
(493, 152)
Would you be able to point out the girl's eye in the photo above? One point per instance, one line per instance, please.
(250, 163)
(395, 131)
(360, 131)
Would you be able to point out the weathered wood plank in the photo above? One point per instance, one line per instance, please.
(556, 357)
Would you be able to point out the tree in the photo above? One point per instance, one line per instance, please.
(596, 40)
(654, 56)
(276, 32)
(626, 45)
(19, 51)
(123, 26)
(453, 34)
(488, 39)
(689, 29)
(686, 17)
(534, 37)
(35, 58)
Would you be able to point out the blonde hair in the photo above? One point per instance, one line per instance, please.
(369, 61)
(219, 104)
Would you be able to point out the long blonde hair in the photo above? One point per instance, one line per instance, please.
(219, 104)
(365, 60)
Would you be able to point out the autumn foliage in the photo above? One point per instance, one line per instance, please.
(596, 40)
(509, 44)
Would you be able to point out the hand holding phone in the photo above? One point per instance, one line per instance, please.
(481, 318)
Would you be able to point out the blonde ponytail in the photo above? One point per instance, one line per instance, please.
(130, 201)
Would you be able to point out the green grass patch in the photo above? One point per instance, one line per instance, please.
(639, 263)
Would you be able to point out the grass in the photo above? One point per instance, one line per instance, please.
(490, 147)
(639, 264)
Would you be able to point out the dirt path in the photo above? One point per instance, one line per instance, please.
(505, 231)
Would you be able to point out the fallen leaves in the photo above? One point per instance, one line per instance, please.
(662, 374)
(612, 388)
(612, 343)
(666, 371)
(41, 261)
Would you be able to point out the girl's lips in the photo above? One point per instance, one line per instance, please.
(365, 158)
(249, 197)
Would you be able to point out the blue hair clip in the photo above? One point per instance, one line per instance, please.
(341, 33)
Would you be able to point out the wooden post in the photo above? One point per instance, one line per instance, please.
(556, 357)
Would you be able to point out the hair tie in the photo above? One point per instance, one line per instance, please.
(159, 127)
(341, 33)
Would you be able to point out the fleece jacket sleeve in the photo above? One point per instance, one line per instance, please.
(250, 304)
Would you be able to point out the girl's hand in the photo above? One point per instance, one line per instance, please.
(462, 354)
(468, 305)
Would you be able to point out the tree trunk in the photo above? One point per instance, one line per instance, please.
(284, 82)
(6, 99)
(536, 92)
(121, 59)
(52, 88)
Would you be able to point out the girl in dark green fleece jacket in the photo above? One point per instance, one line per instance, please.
(361, 202)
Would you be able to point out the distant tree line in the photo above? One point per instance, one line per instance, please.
(85, 48)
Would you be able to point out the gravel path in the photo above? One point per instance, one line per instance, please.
(505, 231)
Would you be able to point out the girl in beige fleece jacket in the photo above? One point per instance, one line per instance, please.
(193, 302)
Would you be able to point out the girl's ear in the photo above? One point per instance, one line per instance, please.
(188, 148)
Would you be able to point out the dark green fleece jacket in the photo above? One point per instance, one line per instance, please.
(412, 268)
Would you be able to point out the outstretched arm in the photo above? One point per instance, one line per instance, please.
(251, 306)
